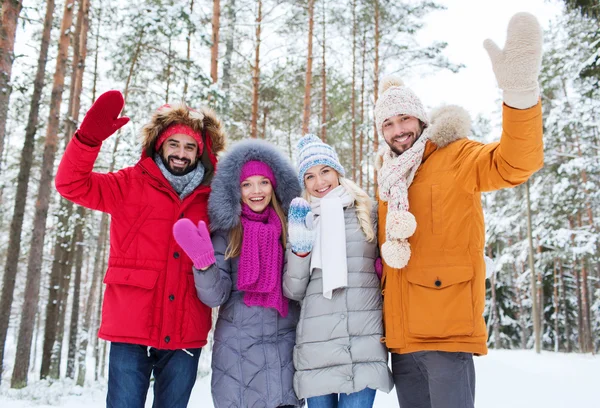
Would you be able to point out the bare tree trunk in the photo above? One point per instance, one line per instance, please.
(580, 325)
(324, 83)
(34, 266)
(169, 62)
(8, 31)
(61, 266)
(308, 78)
(353, 97)
(362, 108)
(91, 300)
(264, 123)
(494, 312)
(376, 83)
(214, 49)
(99, 365)
(563, 286)
(585, 299)
(256, 75)
(534, 301)
(16, 226)
(188, 59)
(74, 324)
(556, 304)
(231, 17)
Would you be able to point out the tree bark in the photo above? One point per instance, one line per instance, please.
(362, 108)
(353, 97)
(308, 78)
(34, 265)
(214, 49)
(324, 83)
(8, 31)
(376, 83)
(256, 75)
(61, 266)
(534, 301)
(91, 301)
(188, 59)
(16, 226)
(74, 324)
(231, 17)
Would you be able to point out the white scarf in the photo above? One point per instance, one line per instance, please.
(329, 253)
(394, 177)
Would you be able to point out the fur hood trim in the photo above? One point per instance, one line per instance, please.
(449, 123)
(224, 203)
(199, 120)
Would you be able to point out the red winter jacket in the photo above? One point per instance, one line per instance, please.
(150, 298)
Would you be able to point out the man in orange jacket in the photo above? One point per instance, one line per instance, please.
(434, 271)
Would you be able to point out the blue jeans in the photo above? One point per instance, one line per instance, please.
(359, 399)
(129, 369)
(434, 379)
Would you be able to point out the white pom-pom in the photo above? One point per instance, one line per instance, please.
(396, 253)
(400, 224)
(389, 81)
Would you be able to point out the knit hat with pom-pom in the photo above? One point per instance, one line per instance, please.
(313, 152)
(397, 99)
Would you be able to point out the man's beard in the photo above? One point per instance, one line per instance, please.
(178, 171)
(395, 149)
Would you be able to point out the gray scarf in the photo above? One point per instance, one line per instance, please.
(183, 185)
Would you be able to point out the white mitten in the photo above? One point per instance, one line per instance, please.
(518, 65)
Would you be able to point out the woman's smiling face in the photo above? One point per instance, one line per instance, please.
(320, 180)
(256, 192)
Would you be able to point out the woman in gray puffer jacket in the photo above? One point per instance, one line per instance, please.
(241, 271)
(331, 269)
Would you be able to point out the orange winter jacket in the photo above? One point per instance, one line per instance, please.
(437, 301)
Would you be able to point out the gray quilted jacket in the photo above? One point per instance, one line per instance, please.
(252, 353)
(338, 342)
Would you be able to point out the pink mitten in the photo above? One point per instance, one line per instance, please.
(195, 242)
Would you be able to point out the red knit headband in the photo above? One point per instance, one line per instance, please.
(178, 128)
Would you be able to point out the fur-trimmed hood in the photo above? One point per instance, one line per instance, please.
(224, 203)
(449, 123)
(202, 120)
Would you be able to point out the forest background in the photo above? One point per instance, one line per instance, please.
(274, 69)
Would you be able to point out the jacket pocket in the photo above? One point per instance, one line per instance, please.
(143, 212)
(128, 302)
(196, 315)
(440, 302)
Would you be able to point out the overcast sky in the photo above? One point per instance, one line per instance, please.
(464, 25)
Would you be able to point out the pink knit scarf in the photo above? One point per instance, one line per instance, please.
(261, 260)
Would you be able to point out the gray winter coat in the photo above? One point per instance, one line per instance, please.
(252, 352)
(338, 341)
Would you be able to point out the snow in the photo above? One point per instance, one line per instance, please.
(505, 378)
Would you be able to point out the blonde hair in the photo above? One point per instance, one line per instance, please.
(362, 202)
(237, 233)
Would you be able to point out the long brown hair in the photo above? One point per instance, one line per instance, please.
(237, 233)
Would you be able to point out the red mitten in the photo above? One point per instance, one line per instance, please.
(195, 242)
(102, 120)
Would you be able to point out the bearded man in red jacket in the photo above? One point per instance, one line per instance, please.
(150, 314)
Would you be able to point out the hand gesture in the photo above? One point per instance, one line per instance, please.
(517, 66)
(195, 241)
(102, 120)
(300, 232)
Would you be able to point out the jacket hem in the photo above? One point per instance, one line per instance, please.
(153, 343)
(454, 347)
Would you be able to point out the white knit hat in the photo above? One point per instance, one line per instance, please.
(313, 152)
(397, 99)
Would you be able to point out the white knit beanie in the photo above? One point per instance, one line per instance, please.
(397, 99)
(313, 152)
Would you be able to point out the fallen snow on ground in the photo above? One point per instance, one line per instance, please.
(516, 379)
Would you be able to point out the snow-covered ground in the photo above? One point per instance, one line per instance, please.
(515, 379)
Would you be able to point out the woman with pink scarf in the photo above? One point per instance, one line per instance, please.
(239, 266)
